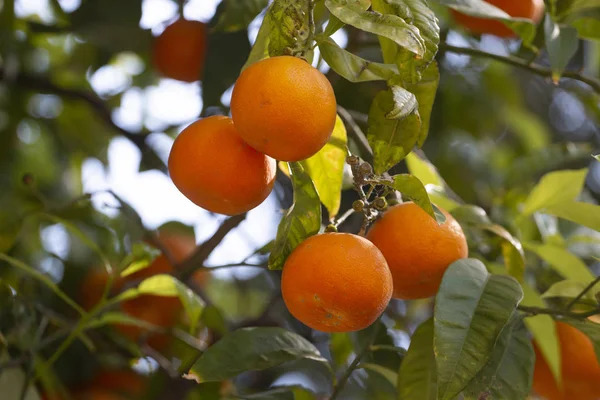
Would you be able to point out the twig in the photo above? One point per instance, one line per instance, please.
(187, 268)
(366, 348)
(533, 311)
(340, 220)
(517, 62)
(583, 292)
(356, 132)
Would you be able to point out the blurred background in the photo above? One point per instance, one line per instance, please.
(82, 111)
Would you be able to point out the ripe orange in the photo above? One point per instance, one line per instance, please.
(336, 282)
(120, 381)
(213, 167)
(92, 287)
(180, 50)
(417, 249)
(284, 107)
(580, 370)
(530, 9)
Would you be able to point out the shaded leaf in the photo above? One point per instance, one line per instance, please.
(13, 380)
(570, 290)
(340, 347)
(564, 262)
(472, 308)
(326, 168)
(388, 374)
(410, 186)
(561, 44)
(425, 91)
(509, 372)
(214, 320)
(301, 221)
(141, 256)
(585, 214)
(237, 14)
(394, 127)
(555, 188)
(335, 24)
(252, 349)
(417, 379)
(512, 251)
(352, 67)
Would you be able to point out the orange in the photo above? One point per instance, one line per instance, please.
(92, 287)
(580, 370)
(284, 107)
(180, 50)
(213, 167)
(530, 9)
(417, 249)
(120, 381)
(336, 282)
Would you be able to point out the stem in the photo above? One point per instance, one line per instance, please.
(517, 62)
(357, 133)
(340, 220)
(583, 292)
(311, 23)
(344, 379)
(533, 311)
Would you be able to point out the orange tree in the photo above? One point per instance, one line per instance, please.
(441, 238)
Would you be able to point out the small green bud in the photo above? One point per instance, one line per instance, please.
(358, 205)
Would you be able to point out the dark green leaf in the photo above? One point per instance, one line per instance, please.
(388, 374)
(214, 320)
(390, 26)
(352, 67)
(509, 371)
(301, 221)
(394, 127)
(410, 186)
(237, 14)
(252, 349)
(340, 347)
(561, 44)
(472, 308)
(417, 378)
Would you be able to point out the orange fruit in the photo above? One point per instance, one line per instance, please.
(580, 370)
(336, 282)
(180, 50)
(417, 249)
(213, 167)
(120, 381)
(284, 107)
(92, 287)
(530, 9)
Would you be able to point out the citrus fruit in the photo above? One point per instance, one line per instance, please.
(124, 382)
(530, 9)
(93, 285)
(213, 167)
(284, 108)
(179, 51)
(418, 250)
(580, 370)
(336, 282)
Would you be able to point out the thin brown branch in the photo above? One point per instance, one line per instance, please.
(533, 311)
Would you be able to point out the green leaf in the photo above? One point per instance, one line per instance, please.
(386, 373)
(571, 289)
(112, 318)
(169, 286)
(410, 186)
(352, 67)
(555, 188)
(214, 320)
(591, 330)
(13, 380)
(340, 347)
(472, 308)
(326, 168)
(482, 9)
(394, 127)
(301, 221)
(390, 26)
(561, 44)
(238, 14)
(512, 251)
(564, 262)
(423, 169)
(141, 256)
(509, 372)
(587, 27)
(417, 379)
(585, 214)
(425, 91)
(335, 24)
(252, 349)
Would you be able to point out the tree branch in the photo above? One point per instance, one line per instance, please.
(533, 311)
(517, 62)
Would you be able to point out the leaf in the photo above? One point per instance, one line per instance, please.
(238, 14)
(410, 186)
(326, 168)
(472, 308)
(169, 286)
(585, 214)
(112, 318)
(512, 251)
(340, 347)
(214, 320)
(591, 330)
(417, 378)
(482, 9)
(352, 67)
(587, 28)
(425, 91)
(335, 24)
(561, 44)
(509, 372)
(13, 380)
(140, 257)
(394, 127)
(426, 172)
(570, 290)
(564, 262)
(252, 349)
(301, 221)
(386, 373)
(555, 188)
(390, 26)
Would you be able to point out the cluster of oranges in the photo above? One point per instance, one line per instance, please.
(160, 311)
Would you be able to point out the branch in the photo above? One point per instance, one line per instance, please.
(533, 311)
(89, 97)
(583, 292)
(517, 62)
(196, 261)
